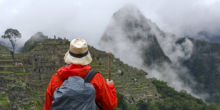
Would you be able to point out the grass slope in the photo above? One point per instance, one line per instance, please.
(25, 90)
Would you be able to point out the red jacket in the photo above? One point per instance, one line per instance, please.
(105, 93)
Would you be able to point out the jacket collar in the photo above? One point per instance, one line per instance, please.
(73, 70)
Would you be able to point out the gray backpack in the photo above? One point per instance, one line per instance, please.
(75, 94)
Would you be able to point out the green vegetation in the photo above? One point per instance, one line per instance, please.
(6, 72)
(4, 102)
(134, 91)
(171, 100)
(20, 73)
(122, 104)
(11, 72)
(37, 104)
(34, 41)
(11, 66)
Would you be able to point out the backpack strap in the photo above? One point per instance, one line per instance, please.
(88, 78)
(90, 75)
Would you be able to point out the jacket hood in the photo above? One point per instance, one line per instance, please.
(73, 70)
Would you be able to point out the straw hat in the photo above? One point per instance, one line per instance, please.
(78, 53)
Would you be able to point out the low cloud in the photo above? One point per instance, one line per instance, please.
(88, 19)
(129, 34)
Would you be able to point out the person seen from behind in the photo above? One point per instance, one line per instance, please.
(68, 89)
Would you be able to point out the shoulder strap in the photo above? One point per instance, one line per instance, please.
(90, 75)
(88, 78)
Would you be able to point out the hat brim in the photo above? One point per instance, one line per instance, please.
(74, 60)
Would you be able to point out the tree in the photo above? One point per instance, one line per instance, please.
(12, 35)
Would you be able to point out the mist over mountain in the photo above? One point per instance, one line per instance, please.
(6, 43)
(33, 41)
(208, 36)
(130, 31)
(139, 42)
(88, 19)
(2, 43)
(204, 66)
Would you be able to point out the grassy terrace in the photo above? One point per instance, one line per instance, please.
(6, 72)
(4, 100)
(11, 72)
(11, 66)
(9, 60)
(5, 57)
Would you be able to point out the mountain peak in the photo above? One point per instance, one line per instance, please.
(38, 36)
(128, 33)
(34, 40)
(129, 13)
(128, 10)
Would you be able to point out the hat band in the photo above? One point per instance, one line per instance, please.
(78, 55)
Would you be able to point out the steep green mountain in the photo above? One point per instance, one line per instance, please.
(39, 69)
(43, 67)
(23, 86)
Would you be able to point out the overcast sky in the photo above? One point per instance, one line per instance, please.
(89, 18)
